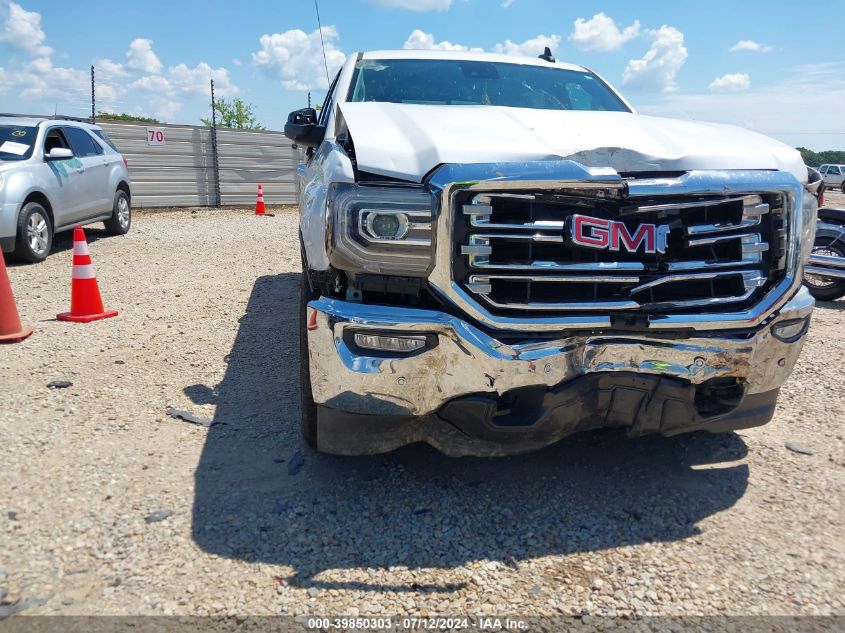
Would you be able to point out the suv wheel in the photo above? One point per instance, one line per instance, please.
(34, 235)
(121, 215)
(843, 186)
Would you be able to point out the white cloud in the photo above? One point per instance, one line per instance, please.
(109, 70)
(657, 69)
(420, 40)
(786, 110)
(731, 82)
(140, 56)
(165, 109)
(751, 45)
(22, 31)
(196, 80)
(138, 85)
(529, 48)
(419, 6)
(296, 58)
(67, 89)
(600, 33)
(180, 80)
(506, 3)
(155, 84)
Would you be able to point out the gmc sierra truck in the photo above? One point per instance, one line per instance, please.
(498, 252)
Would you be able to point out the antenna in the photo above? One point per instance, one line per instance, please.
(322, 44)
(93, 108)
(547, 55)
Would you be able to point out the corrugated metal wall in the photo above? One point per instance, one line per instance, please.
(180, 172)
(248, 158)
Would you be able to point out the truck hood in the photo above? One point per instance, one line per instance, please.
(407, 141)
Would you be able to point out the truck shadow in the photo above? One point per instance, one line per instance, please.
(416, 507)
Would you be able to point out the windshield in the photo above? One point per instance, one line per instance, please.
(461, 82)
(16, 142)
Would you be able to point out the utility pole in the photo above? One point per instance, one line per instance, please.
(215, 163)
(93, 107)
(309, 98)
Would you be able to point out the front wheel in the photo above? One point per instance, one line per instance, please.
(34, 235)
(121, 215)
(821, 287)
(842, 187)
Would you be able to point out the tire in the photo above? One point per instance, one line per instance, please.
(34, 234)
(121, 215)
(821, 287)
(308, 415)
(842, 187)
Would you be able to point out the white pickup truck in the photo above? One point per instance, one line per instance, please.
(498, 251)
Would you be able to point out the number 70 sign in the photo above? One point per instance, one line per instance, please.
(155, 136)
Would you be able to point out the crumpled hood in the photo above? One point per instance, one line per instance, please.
(407, 140)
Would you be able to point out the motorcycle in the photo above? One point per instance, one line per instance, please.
(824, 274)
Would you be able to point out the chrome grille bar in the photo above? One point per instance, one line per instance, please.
(482, 285)
(716, 240)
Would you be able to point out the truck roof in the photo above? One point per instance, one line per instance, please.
(469, 56)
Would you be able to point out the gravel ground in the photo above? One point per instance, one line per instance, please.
(110, 506)
(834, 198)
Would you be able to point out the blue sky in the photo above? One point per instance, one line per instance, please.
(762, 65)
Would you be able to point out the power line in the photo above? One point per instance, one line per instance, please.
(322, 44)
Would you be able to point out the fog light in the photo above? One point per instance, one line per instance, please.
(790, 331)
(381, 343)
(387, 226)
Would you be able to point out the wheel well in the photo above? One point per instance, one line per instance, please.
(40, 198)
(122, 186)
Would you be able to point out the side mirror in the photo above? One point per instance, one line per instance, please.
(302, 128)
(58, 153)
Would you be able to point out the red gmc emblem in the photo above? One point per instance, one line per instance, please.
(612, 235)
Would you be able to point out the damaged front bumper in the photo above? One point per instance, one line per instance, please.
(468, 393)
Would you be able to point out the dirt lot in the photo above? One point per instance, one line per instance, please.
(110, 506)
(834, 198)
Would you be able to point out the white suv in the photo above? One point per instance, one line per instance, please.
(55, 174)
(834, 176)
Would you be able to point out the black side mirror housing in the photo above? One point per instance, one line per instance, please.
(302, 128)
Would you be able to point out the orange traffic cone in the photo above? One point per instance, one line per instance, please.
(85, 302)
(259, 203)
(10, 323)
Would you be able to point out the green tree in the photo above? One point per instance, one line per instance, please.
(828, 156)
(235, 113)
(112, 116)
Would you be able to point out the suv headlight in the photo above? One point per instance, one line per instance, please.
(378, 229)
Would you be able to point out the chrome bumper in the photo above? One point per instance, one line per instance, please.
(469, 361)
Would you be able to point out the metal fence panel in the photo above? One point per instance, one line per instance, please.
(181, 172)
(249, 157)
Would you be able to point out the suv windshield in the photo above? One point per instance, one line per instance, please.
(462, 82)
(16, 142)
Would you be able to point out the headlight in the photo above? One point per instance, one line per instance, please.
(807, 230)
(384, 230)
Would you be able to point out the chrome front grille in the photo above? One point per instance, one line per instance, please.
(514, 253)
